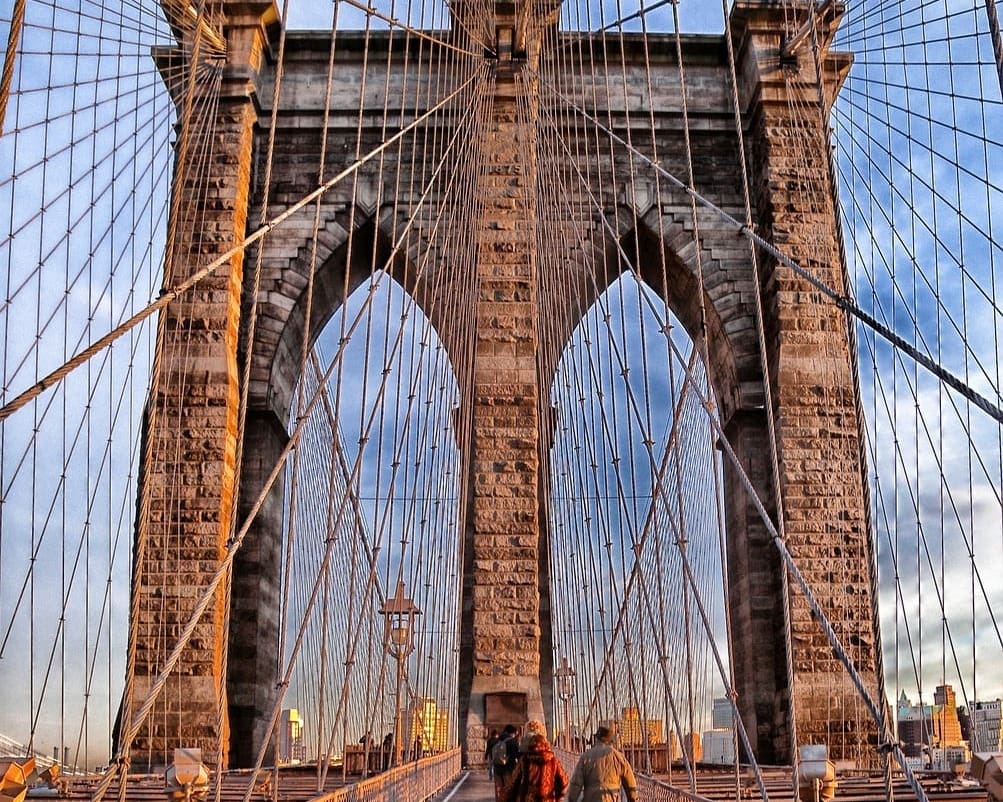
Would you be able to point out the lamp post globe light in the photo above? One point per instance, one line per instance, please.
(399, 613)
(564, 676)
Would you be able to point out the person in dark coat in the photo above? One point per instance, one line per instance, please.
(493, 738)
(505, 757)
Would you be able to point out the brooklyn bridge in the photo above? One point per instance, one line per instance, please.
(379, 373)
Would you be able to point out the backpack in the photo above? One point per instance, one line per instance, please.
(502, 756)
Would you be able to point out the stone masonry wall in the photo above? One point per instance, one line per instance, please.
(501, 585)
(189, 480)
(811, 371)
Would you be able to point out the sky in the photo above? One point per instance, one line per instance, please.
(921, 185)
(696, 16)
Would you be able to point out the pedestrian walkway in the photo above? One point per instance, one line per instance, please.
(471, 786)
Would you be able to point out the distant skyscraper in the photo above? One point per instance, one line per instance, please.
(441, 742)
(428, 724)
(722, 714)
(633, 729)
(291, 749)
(915, 726)
(987, 726)
(946, 726)
(719, 746)
(630, 727)
(932, 732)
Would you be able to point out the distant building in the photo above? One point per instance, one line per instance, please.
(291, 748)
(947, 757)
(722, 714)
(987, 726)
(674, 750)
(693, 747)
(915, 726)
(931, 734)
(966, 725)
(631, 733)
(634, 730)
(428, 726)
(719, 745)
(946, 726)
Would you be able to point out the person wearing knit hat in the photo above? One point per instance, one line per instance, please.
(532, 727)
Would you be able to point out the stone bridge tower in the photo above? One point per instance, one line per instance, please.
(506, 651)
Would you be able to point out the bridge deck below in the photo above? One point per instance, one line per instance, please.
(474, 786)
(470, 786)
(298, 784)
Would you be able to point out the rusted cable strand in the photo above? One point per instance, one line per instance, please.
(13, 43)
(994, 30)
(842, 302)
(169, 295)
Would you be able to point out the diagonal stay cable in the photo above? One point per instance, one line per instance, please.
(659, 489)
(169, 295)
(371, 11)
(209, 591)
(889, 744)
(842, 302)
(994, 28)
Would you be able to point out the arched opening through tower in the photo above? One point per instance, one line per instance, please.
(371, 501)
(636, 527)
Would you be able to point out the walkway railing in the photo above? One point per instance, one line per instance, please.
(652, 790)
(412, 781)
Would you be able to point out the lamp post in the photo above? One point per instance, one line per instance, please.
(398, 639)
(565, 676)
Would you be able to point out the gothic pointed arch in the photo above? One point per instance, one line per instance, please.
(359, 272)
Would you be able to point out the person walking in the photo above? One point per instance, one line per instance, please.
(601, 772)
(505, 760)
(493, 738)
(530, 729)
(540, 777)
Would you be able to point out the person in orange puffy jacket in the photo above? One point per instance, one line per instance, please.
(540, 777)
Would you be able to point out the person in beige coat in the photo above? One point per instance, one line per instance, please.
(601, 772)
